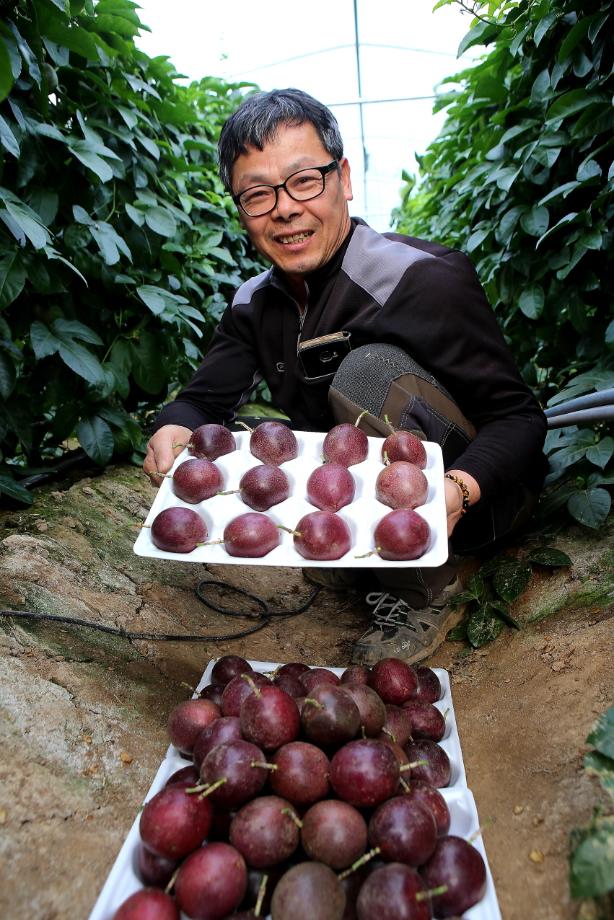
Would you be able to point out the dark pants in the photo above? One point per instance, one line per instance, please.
(386, 382)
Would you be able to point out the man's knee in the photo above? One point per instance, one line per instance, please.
(394, 388)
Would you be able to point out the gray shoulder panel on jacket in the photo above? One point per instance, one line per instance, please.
(377, 264)
(245, 293)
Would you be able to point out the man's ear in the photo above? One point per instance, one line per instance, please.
(346, 178)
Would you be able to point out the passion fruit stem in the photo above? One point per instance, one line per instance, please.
(487, 823)
(364, 412)
(251, 683)
(431, 893)
(389, 423)
(293, 815)
(229, 492)
(199, 788)
(359, 862)
(404, 785)
(171, 881)
(316, 703)
(295, 533)
(386, 458)
(390, 734)
(372, 552)
(247, 428)
(410, 766)
(261, 892)
(180, 445)
(213, 787)
(263, 764)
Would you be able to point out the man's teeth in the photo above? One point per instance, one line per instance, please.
(295, 238)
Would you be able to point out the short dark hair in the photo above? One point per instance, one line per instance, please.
(257, 121)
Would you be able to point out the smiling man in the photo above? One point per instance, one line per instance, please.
(347, 320)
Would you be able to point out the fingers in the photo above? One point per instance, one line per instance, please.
(162, 449)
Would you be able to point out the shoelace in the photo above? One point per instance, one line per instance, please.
(388, 610)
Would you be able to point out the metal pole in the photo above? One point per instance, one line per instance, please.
(365, 155)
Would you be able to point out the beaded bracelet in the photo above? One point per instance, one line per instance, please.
(462, 486)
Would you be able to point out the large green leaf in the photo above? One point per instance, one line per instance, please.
(549, 557)
(81, 361)
(83, 152)
(511, 579)
(592, 863)
(531, 301)
(6, 71)
(7, 376)
(7, 138)
(483, 626)
(96, 439)
(161, 221)
(601, 453)
(602, 734)
(12, 278)
(590, 506)
(28, 221)
(14, 490)
(43, 342)
(601, 766)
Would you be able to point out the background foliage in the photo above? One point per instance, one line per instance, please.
(118, 246)
(521, 178)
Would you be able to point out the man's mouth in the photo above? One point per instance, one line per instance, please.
(294, 237)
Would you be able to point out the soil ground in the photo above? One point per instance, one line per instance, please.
(83, 713)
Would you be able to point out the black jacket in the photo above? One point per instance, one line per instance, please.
(388, 288)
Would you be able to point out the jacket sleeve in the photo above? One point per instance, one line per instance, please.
(440, 315)
(222, 383)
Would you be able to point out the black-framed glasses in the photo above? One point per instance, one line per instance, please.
(301, 186)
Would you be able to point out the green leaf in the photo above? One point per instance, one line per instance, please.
(574, 37)
(161, 221)
(9, 487)
(600, 453)
(602, 767)
(135, 215)
(6, 71)
(535, 222)
(502, 610)
(602, 734)
(27, 220)
(543, 27)
(81, 361)
(589, 169)
(549, 557)
(8, 139)
(73, 329)
(572, 102)
(12, 278)
(592, 862)
(7, 376)
(590, 507)
(147, 364)
(561, 190)
(568, 219)
(82, 151)
(474, 240)
(43, 342)
(96, 439)
(483, 626)
(153, 297)
(510, 580)
(531, 301)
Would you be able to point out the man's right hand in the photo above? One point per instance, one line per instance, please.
(166, 444)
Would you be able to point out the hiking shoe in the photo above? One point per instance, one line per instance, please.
(336, 579)
(401, 631)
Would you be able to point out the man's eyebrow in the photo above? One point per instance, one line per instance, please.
(258, 178)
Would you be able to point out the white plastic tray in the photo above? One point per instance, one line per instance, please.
(123, 880)
(361, 515)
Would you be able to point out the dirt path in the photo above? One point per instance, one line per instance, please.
(83, 714)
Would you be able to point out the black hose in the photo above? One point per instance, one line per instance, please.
(263, 617)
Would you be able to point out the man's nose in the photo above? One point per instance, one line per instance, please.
(286, 206)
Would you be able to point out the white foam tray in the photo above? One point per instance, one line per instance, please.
(123, 880)
(361, 515)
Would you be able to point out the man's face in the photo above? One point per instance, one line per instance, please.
(297, 236)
